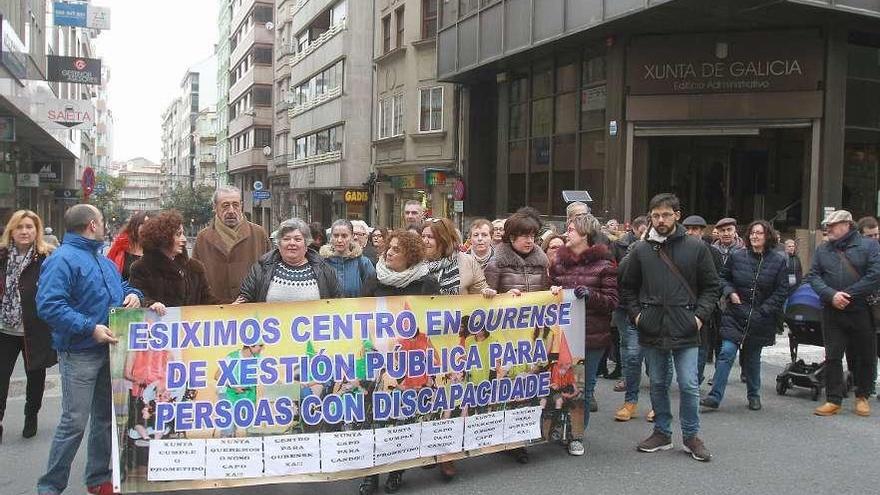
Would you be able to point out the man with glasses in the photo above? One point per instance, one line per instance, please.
(361, 234)
(669, 286)
(870, 228)
(229, 245)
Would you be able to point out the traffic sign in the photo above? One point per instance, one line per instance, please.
(100, 188)
(262, 195)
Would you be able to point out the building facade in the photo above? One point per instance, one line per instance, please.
(221, 51)
(249, 113)
(41, 162)
(205, 139)
(143, 186)
(181, 160)
(327, 140)
(415, 134)
(743, 108)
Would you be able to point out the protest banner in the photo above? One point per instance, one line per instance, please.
(223, 396)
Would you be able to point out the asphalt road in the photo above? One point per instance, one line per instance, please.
(782, 449)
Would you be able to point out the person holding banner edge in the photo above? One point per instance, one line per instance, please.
(587, 268)
(77, 309)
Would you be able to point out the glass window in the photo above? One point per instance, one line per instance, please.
(863, 103)
(593, 108)
(429, 19)
(540, 155)
(566, 113)
(465, 7)
(539, 188)
(542, 82)
(594, 69)
(542, 117)
(519, 90)
(448, 12)
(566, 77)
(386, 34)
(431, 109)
(401, 25)
(398, 115)
(338, 13)
(519, 121)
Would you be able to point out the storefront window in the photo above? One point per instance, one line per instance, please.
(861, 178)
(556, 131)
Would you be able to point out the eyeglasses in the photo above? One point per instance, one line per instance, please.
(665, 215)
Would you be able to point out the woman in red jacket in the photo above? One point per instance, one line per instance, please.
(589, 270)
(126, 248)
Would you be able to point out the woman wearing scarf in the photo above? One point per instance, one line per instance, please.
(126, 248)
(22, 251)
(457, 272)
(345, 255)
(402, 271)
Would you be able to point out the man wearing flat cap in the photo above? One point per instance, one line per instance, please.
(845, 271)
(695, 225)
(728, 240)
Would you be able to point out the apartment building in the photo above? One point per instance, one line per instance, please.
(414, 139)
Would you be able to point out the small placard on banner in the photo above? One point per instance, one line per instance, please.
(483, 430)
(175, 460)
(345, 450)
(234, 458)
(398, 443)
(445, 436)
(292, 454)
(522, 425)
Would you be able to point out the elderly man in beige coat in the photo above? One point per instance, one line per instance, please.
(229, 245)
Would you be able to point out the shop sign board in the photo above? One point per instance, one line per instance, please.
(49, 172)
(726, 63)
(357, 196)
(77, 70)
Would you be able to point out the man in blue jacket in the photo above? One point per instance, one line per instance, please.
(845, 271)
(77, 288)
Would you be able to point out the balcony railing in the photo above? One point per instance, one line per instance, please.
(313, 102)
(297, 6)
(317, 42)
(333, 156)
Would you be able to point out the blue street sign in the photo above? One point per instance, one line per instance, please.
(71, 14)
(262, 195)
(100, 188)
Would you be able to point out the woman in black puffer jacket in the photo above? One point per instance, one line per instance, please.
(756, 284)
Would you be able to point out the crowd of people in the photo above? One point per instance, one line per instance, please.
(662, 292)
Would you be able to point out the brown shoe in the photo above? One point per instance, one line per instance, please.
(626, 412)
(650, 417)
(827, 409)
(862, 408)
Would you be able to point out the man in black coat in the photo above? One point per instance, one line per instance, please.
(845, 271)
(669, 286)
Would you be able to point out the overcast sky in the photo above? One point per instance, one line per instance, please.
(149, 48)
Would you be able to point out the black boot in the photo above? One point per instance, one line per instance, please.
(30, 426)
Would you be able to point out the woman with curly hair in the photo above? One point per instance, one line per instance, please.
(166, 274)
(127, 248)
(402, 271)
(22, 252)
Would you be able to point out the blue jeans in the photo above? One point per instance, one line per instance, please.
(751, 362)
(85, 389)
(630, 355)
(591, 369)
(685, 361)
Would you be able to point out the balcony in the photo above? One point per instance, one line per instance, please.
(258, 35)
(247, 160)
(317, 42)
(259, 116)
(259, 74)
(208, 158)
(333, 156)
(318, 100)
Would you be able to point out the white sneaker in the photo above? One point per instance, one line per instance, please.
(576, 447)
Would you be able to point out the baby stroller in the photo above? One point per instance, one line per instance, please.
(803, 315)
